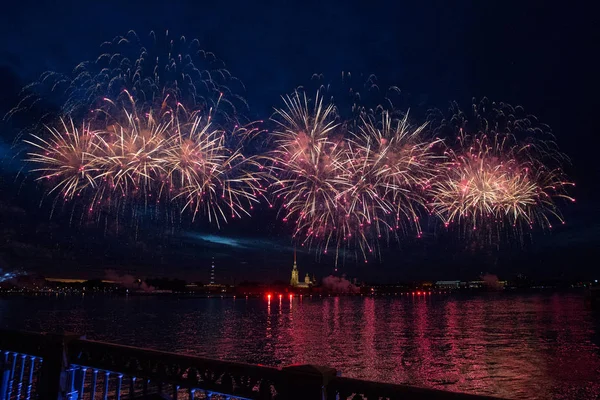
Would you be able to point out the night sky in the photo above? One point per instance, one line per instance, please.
(541, 55)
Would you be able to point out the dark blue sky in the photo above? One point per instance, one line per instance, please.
(534, 53)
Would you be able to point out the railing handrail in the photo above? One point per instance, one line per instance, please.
(31, 343)
(79, 344)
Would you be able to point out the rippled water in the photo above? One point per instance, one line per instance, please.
(513, 346)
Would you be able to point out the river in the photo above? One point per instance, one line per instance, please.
(508, 345)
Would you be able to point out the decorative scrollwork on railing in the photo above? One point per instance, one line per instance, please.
(233, 379)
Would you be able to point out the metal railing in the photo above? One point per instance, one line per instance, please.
(61, 367)
(20, 375)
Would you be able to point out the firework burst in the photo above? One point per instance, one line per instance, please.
(160, 125)
(159, 122)
(209, 177)
(310, 169)
(66, 155)
(346, 189)
(150, 158)
(491, 182)
(395, 164)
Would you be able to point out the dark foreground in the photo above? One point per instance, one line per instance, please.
(51, 366)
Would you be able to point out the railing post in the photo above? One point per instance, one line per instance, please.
(54, 374)
(307, 381)
(30, 380)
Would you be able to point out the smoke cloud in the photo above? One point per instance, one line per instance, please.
(491, 281)
(339, 284)
(128, 281)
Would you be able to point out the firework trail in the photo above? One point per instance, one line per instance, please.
(502, 174)
(157, 72)
(359, 97)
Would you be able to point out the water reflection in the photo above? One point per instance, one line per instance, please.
(530, 346)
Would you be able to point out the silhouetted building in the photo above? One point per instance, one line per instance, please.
(447, 284)
(294, 281)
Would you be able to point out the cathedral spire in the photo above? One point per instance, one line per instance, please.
(294, 280)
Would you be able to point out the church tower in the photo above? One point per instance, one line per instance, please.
(294, 280)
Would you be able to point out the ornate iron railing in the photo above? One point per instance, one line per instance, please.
(61, 367)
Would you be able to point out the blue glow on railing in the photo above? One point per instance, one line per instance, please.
(92, 389)
(17, 371)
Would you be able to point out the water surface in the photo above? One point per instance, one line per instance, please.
(513, 346)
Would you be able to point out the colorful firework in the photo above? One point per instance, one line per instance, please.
(395, 163)
(68, 156)
(507, 174)
(310, 169)
(157, 123)
(339, 186)
(161, 124)
(150, 157)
